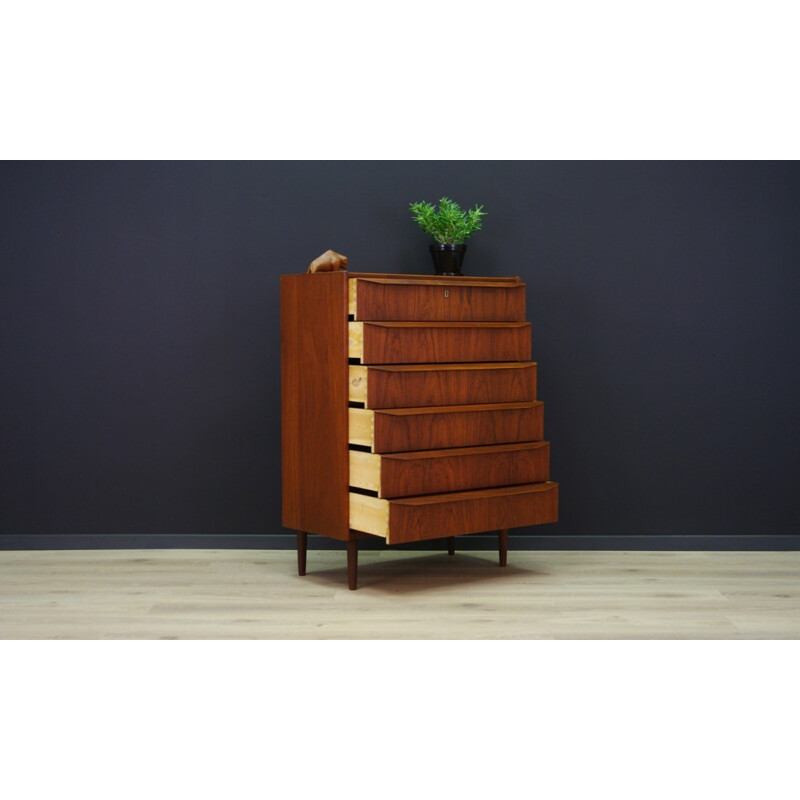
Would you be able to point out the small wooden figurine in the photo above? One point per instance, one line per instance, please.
(329, 261)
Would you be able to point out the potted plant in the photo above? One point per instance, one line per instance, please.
(451, 226)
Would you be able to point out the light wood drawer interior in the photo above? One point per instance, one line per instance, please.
(362, 427)
(357, 383)
(365, 471)
(369, 514)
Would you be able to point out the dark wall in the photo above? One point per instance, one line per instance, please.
(140, 340)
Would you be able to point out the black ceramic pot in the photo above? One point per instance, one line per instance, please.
(447, 258)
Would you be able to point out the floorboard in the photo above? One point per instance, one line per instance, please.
(251, 594)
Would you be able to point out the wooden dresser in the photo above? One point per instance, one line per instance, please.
(409, 410)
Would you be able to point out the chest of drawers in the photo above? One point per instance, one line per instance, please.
(409, 410)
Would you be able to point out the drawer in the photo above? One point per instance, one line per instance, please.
(439, 342)
(409, 385)
(396, 430)
(453, 470)
(413, 519)
(449, 300)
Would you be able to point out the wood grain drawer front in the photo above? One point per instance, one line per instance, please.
(450, 300)
(452, 470)
(404, 429)
(407, 386)
(439, 342)
(413, 519)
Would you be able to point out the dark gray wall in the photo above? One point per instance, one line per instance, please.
(140, 344)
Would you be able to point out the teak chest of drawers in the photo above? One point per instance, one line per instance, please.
(409, 410)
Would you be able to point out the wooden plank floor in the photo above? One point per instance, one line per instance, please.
(242, 594)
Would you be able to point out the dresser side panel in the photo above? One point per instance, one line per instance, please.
(314, 403)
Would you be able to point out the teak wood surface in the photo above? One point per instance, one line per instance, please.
(508, 280)
(314, 419)
(451, 470)
(461, 469)
(381, 299)
(406, 386)
(401, 429)
(415, 518)
(440, 342)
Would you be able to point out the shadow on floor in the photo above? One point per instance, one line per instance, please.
(417, 572)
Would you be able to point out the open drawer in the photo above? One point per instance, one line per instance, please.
(452, 470)
(410, 385)
(452, 299)
(396, 430)
(413, 519)
(438, 342)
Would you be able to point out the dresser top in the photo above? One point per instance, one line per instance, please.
(383, 276)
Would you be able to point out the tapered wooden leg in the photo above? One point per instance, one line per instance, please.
(502, 537)
(352, 563)
(302, 540)
(451, 545)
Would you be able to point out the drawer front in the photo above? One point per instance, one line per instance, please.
(442, 343)
(453, 470)
(414, 519)
(450, 300)
(408, 386)
(401, 430)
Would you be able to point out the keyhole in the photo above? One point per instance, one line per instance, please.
(446, 293)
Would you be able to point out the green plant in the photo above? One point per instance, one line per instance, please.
(450, 224)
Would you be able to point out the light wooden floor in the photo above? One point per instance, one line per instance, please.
(238, 594)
